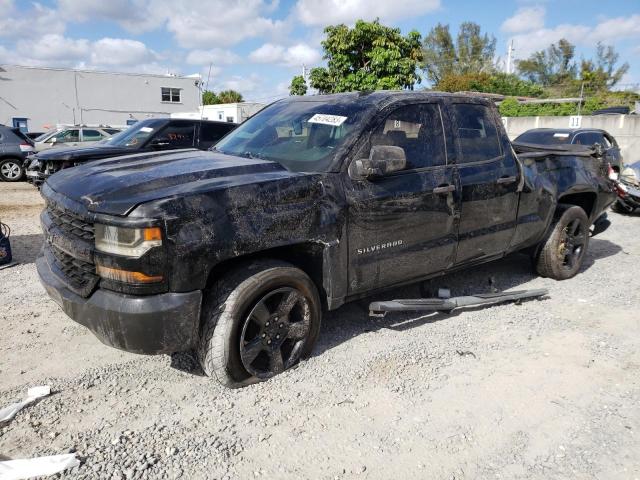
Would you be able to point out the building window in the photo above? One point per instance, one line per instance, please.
(171, 95)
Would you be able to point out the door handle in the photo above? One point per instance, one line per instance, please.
(444, 189)
(506, 179)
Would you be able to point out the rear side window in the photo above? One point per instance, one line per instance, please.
(477, 133)
(210, 133)
(417, 129)
(588, 138)
(91, 135)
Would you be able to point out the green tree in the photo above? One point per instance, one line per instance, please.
(209, 98)
(230, 96)
(551, 67)
(298, 86)
(502, 83)
(369, 56)
(472, 52)
(601, 74)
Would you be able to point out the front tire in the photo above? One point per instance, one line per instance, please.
(562, 253)
(11, 170)
(257, 322)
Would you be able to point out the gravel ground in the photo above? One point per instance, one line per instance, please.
(544, 389)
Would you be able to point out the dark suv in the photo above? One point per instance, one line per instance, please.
(15, 149)
(579, 136)
(151, 135)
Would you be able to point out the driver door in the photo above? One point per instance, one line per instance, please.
(403, 226)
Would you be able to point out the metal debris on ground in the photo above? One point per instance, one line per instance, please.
(380, 309)
(37, 467)
(33, 394)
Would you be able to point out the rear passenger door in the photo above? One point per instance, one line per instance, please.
(403, 226)
(489, 179)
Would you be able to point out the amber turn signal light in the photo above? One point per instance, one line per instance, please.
(126, 276)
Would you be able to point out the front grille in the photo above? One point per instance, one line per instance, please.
(70, 249)
(71, 223)
(80, 276)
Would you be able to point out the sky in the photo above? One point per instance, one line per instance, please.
(257, 46)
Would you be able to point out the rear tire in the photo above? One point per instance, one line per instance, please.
(11, 170)
(257, 322)
(562, 253)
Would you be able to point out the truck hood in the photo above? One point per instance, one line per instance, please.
(93, 152)
(116, 186)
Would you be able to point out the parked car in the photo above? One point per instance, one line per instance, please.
(576, 136)
(73, 136)
(34, 135)
(149, 135)
(15, 150)
(628, 189)
(311, 203)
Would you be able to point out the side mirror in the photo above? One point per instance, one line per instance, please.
(54, 140)
(383, 160)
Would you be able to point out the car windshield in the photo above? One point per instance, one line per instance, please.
(544, 137)
(303, 136)
(137, 134)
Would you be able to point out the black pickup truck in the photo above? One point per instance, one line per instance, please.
(313, 202)
(150, 135)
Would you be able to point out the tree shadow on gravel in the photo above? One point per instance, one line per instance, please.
(25, 248)
(508, 273)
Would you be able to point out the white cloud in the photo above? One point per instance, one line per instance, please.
(36, 21)
(197, 24)
(617, 28)
(55, 49)
(524, 20)
(120, 52)
(295, 55)
(217, 56)
(327, 12)
(240, 83)
(134, 15)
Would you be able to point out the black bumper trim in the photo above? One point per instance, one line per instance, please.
(151, 324)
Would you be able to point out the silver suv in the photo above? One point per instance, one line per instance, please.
(73, 136)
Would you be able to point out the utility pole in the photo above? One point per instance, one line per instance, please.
(580, 102)
(509, 56)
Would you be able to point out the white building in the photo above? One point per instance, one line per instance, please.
(224, 112)
(40, 98)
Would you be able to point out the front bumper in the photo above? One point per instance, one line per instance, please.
(151, 324)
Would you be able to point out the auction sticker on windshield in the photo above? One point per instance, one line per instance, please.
(325, 119)
(146, 129)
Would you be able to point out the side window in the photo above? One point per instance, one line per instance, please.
(91, 135)
(178, 135)
(211, 133)
(418, 130)
(588, 138)
(67, 136)
(477, 133)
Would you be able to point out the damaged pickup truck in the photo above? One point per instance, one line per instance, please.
(311, 203)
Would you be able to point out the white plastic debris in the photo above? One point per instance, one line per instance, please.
(33, 394)
(36, 467)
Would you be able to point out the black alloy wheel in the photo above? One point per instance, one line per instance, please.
(275, 332)
(571, 248)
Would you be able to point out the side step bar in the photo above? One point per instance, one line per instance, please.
(380, 309)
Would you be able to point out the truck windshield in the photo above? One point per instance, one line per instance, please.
(136, 135)
(303, 136)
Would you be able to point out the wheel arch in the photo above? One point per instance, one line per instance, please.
(307, 256)
(585, 200)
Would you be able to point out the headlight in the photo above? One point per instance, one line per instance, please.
(129, 242)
